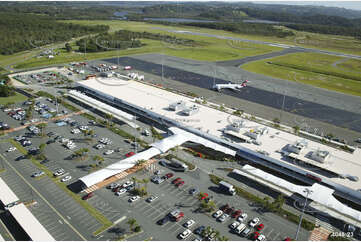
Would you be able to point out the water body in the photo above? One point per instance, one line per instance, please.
(180, 20)
(260, 21)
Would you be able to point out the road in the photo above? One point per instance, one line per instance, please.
(299, 48)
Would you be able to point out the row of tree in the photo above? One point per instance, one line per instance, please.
(125, 39)
(21, 32)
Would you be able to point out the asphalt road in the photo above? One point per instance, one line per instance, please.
(261, 42)
(305, 108)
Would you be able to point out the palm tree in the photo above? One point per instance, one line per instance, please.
(42, 127)
(223, 238)
(132, 222)
(145, 181)
(134, 179)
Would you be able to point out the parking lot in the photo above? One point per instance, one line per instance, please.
(170, 198)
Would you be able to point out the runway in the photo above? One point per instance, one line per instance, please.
(295, 105)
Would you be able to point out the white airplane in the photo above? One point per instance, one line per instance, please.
(219, 87)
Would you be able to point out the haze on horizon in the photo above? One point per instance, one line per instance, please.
(354, 5)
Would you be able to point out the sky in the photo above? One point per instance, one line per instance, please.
(355, 5)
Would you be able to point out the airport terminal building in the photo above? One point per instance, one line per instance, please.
(331, 173)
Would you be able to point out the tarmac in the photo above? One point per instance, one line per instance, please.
(305, 101)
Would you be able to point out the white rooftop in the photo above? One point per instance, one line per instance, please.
(7, 196)
(213, 121)
(30, 224)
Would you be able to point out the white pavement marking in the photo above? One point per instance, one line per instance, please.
(39, 194)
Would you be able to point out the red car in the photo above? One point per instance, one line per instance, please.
(259, 227)
(224, 207)
(229, 211)
(176, 180)
(255, 235)
(169, 175)
(236, 213)
(287, 239)
(130, 154)
(87, 196)
(179, 184)
(117, 188)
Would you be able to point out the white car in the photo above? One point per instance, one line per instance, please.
(217, 214)
(127, 184)
(133, 199)
(254, 222)
(189, 223)
(242, 217)
(75, 131)
(121, 191)
(223, 218)
(59, 172)
(37, 174)
(66, 178)
(108, 152)
(185, 234)
(234, 225)
(261, 237)
(11, 149)
(99, 146)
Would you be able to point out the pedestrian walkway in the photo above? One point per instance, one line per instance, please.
(319, 233)
(119, 176)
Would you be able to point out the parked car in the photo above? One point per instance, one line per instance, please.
(179, 184)
(189, 223)
(163, 220)
(151, 198)
(133, 199)
(121, 191)
(185, 234)
(259, 227)
(87, 196)
(254, 222)
(112, 185)
(169, 175)
(245, 232)
(127, 184)
(217, 214)
(224, 207)
(59, 172)
(176, 180)
(242, 217)
(200, 229)
(234, 225)
(236, 213)
(130, 154)
(66, 178)
(11, 149)
(193, 191)
(255, 235)
(37, 174)
(108, 152)
(261, 237)
(223, 218)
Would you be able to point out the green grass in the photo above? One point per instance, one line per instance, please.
(16, 98)
(336, 43)
(209, 49)
(91, 210)
(319, 70)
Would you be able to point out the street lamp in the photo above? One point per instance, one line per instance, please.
(308, 192)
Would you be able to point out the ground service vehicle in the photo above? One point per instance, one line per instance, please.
(227, 188)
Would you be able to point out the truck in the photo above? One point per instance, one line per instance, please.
(227, 188)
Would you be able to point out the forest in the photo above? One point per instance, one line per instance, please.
(21, 32)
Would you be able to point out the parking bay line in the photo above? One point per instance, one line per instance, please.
(268, 235)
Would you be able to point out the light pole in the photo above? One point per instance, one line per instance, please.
(308, 192)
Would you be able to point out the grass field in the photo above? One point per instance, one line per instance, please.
(16, 98)
(208, 49)
(325, 71)
(335, 43)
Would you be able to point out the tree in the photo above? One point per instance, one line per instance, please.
(223, 238)
(278, 202)
(132, 222)
(42, 127)
(98, 159)
(206, 231)
(81, 153)
(296, 129)
(109, 118)
(140, 162)
(137, 229)
(145, 181)
(6, 91)
(68, 47)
